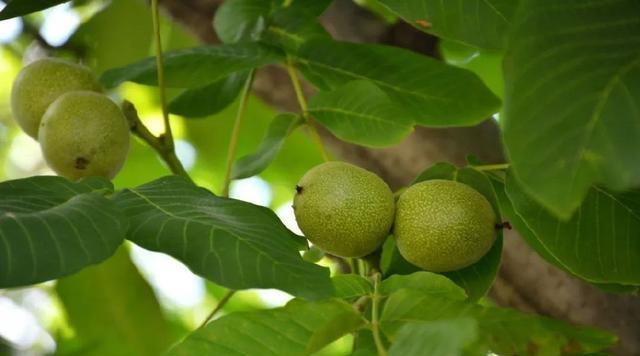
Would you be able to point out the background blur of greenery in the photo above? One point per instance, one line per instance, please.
(95, 311)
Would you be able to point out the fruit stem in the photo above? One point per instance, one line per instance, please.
(168, 135)
(375, 323)
(157, 143)
(304, 107)
(492, 167)
(218, 307)
(235, 134)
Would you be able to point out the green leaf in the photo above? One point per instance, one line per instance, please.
(424, 282)
(432, 92)
(279, 129)
(477, 278)
(572, 71)
(442, 337)
(195, 67)
(51, 227)
(114, 294)
(299, 328)
(242, 20)
(290, 27)
(598, 243)
(351, 286)
(16, 8)
(230, 242)
(478, 23)
(209, 99)
(502, 331)
(360, 112)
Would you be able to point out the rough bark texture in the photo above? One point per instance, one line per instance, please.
(525, 280)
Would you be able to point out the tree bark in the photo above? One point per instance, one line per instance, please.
(525, 280)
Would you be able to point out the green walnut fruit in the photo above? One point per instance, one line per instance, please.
(84, 134)
(443, 225)
(343, 209)
(40, 83)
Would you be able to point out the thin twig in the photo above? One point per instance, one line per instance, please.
(158, 144)
(235, 134)
(375, 323)
(168, 134)
(218, 307)
(492, 167)
(304, 107)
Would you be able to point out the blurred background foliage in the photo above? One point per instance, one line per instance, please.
(139, 308)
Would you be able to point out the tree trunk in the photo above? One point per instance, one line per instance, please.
(525, 280)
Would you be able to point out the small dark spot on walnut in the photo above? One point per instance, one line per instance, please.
(81, 163)
(298, 189)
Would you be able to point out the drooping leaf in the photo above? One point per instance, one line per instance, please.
(360, 112)
(509, 213)
(114, 294)
(424, 282)
(279, 129)
(351, 286)
(432, 92)
(478, 23)
(299, 328)
(599, 243)
(442, 337)
(230, 242)
(503, 331)
(195, 67)
(51, 227)
(16, 8)
(477, 278)
(209, 99)
(572, 93)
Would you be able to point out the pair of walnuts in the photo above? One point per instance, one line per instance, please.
(438, 225)
(81, 131)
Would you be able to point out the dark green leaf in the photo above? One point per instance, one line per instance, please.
(290, 27)
(242, 20)
(351, 286)
(478, 23)
(424, 282)
(15, 8)
(113, 310)
(443, 337)
(280, 128)
(432, 92)
(209, 99)
(299, 328)
(360, 112)
(477, 278)
(598, 243)
(502, 331)
(572, 93)
(51, 227)
(233, 243)
(195, 67)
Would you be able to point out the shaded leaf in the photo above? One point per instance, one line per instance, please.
(442, 337)
(432, 92)
(479, 23)
(572, 92)
(299, 328)
(424, 282)
(598, 243)
(51, 227)
(114, 294)
(351, 286)
(360, 112)
(279, 129)
(195, 67)
(209, 99)
(290, 27)
(16, 8)
(503, 331)
(230, 242)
